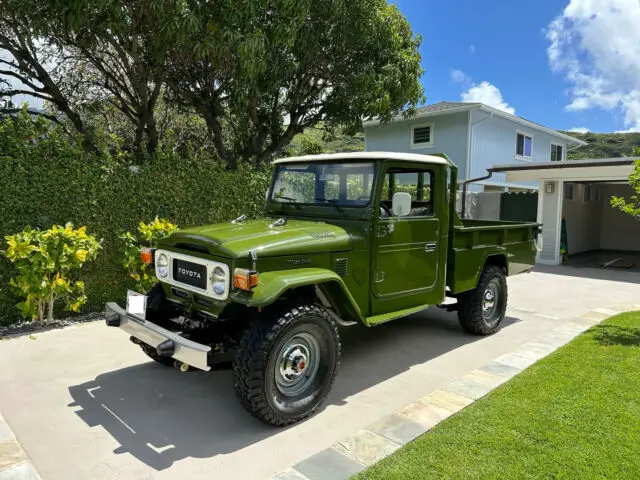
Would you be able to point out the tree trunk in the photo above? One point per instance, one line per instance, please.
(50, 308)
(41, 311)
(152, 135)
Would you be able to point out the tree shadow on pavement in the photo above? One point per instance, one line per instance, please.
(161, 416)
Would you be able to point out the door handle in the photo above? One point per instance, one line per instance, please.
(430, 247)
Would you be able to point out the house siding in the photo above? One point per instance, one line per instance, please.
(449, 137)
(494, 143)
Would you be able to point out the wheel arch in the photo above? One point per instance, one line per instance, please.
(497, 260)
(319, 282)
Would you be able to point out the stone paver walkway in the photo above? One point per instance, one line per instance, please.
(369, 445)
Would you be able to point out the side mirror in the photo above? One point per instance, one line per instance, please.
(401, 204)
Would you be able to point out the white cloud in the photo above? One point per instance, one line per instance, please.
(488, 94)
(579, 130)
(595, 44)
(459, 76)
(472, 49)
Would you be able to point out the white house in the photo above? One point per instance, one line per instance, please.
(476, 137)
(579, 192)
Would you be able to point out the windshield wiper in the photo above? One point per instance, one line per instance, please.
(293, 201)
(332, 202)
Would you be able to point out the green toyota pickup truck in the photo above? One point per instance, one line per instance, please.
(349, 238)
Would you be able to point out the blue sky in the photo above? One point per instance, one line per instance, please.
(563, 63)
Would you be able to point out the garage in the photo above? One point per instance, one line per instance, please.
(574, 208)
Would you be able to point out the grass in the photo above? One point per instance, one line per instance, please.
(574, 414)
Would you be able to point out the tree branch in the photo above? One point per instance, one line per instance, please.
(8, 111)
(11, 93)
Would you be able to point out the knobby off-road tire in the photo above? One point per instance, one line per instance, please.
(481, 311)
(270, 381)
(158, 311)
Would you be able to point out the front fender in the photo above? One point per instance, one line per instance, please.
(272, 285)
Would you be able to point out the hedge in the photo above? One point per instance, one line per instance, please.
(45, 180)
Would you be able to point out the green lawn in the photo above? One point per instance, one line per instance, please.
(574, 414)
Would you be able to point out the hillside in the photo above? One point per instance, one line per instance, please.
(600, 145)
(604, 145)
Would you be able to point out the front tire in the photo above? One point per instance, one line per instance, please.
(151, 352)
(481, 311)
(286, 363)
(159, 311)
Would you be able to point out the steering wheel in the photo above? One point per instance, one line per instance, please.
(386, 209)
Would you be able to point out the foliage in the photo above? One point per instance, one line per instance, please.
(243, 68)
(306, 61)
(47, 264)
(310, 146)
(574, 414)
(604, 145)
(46, 179)
(148, 233)
(632, 205)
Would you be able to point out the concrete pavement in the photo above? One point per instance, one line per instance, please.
(85, 403)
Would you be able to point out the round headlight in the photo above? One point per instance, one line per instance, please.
(162, 265)
(218, 288)
(219, 275)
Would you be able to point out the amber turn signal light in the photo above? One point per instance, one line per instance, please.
(146, 255)
(245, 279)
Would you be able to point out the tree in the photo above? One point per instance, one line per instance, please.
(84, 57)
(121, 48)
(29, 65)
(261, 72)
(632, 205)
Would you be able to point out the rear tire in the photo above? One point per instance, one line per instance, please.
(286, 363)
(481, 311)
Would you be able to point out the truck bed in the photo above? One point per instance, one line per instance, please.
(474, 242)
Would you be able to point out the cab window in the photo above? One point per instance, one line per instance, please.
(417, 183)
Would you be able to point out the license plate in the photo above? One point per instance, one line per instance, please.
(190, 273)
(136, 303)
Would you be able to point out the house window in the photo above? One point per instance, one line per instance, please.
(524, 145)
(556, 153)
(568, 191)
(422, 135)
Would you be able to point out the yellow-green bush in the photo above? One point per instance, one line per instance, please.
(148, 233)
(47, 265)
(46, 180)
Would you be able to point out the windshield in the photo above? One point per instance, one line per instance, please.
(340, 184)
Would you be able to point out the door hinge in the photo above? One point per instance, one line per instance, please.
(379, 277)
(430, 247)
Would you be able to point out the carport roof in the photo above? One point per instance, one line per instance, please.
(572, 170)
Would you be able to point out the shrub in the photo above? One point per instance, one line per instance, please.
(47, 264)
(148, 233)
(109, 196)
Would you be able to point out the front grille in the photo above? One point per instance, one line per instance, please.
(180, 293)
(341, 266)
(190, 273)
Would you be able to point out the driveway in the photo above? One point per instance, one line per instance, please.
(86, 404)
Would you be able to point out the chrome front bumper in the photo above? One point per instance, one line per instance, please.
(172, 344)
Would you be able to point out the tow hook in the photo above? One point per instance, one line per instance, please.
(181, 366)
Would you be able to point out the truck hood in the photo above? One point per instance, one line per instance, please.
(296, 237)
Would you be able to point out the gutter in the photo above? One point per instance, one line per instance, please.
(470, 126)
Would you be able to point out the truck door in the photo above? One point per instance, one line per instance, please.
(406, 249)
